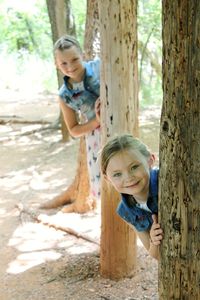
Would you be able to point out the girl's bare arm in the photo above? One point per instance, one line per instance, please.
(146, 241)
(75, 129)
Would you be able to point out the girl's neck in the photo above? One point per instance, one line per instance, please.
(142, 197)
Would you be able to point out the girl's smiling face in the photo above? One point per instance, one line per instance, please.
(69, 62)
(128, 172)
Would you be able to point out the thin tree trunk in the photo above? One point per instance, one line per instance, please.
(119, 111)
(92, 38)
(179, 206)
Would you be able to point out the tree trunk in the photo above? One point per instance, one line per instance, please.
(79, 191)
(179, 205)
(119, 111)
(92, 38)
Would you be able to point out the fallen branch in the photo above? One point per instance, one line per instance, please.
(46, 220)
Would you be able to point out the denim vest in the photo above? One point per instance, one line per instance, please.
(83, 100)
(136, 216)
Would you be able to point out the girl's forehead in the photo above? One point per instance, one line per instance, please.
(67, 53)
(131, 154)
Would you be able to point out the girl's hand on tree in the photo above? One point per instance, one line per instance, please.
(156, 233)
(97, 109)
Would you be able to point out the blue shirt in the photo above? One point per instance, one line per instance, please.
(136, 216)
(82, 100)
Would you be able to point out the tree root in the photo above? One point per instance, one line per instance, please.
(78, 193)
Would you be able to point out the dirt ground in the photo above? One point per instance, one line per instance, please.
(38, 261)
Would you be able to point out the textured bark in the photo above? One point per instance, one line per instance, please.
(119, 111)
(92, 38)
(179, 206)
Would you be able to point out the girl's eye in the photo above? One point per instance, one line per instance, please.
(134, 167)
(117, 175)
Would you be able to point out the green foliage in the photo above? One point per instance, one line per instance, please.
(25, 39)
(79, 12)
(150, 48)
(25, 28)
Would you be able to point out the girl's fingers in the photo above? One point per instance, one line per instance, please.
(155, 218)
(155, 227)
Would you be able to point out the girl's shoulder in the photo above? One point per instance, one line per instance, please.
(92, 66)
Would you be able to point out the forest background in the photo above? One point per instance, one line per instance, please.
(26, 56)
(36, 165)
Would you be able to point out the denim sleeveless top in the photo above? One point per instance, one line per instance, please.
(136, 216)
(82, 99)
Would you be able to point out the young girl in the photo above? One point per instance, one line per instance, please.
(127, 164)
(78, 98)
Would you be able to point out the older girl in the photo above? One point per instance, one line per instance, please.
(78, 98)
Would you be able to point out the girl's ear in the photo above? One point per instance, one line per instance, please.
(151, 160)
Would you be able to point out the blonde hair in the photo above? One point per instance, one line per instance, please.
(118, 144)
(66, 42)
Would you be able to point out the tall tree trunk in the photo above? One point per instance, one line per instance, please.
(62, 22)
(92, 38)
(179, 206)
(119, 111)
(79, 191)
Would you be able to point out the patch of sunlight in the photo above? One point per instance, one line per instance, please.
(30, 128)
(2, 211)
(7, 214)
(88, 224)
(22, 141)
(44, 174)
(139, 243)
(58, 182)
(39, 184)
(26, 261)
(58, 150)
(43, 180)
(33, 237)
(54, 139)
(21, 189)
(13, 179)
(6, 129)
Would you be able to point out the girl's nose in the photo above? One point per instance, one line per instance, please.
(70, 66)
(128, 176)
